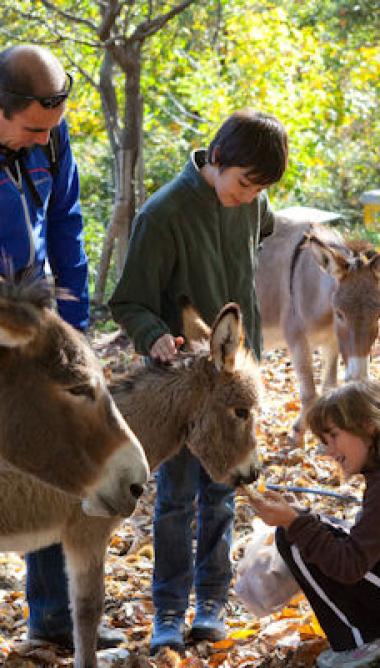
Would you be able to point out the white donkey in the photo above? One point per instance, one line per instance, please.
(316, 290)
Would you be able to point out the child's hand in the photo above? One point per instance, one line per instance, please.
(273, 509)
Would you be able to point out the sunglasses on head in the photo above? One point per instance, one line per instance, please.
(47, 101)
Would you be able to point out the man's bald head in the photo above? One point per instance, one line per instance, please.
(28, 70)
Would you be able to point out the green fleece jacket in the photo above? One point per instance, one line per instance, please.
(184, 243)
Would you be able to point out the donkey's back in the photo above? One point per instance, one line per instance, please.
(292, 290)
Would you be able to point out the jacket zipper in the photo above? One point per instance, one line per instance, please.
(18, 183)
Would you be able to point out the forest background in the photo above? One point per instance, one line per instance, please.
(154, 79)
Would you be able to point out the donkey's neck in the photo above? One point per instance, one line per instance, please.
(158, 404)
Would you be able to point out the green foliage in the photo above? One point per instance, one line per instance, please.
(313, 64)
(97, 193)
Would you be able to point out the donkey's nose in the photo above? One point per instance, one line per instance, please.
(247, 478)
(136, 490)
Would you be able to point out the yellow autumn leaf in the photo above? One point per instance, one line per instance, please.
(318, 630)
(306, 631)
(146, 551)
(296, 599)
(116, 541)
(292, 406)
(289, 612)
(242, 634)
(131, 558)
(261, 487)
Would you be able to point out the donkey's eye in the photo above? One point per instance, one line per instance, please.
(83, 391)
(242, 413)
(340, 315)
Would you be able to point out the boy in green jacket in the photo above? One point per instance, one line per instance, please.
(197, 237)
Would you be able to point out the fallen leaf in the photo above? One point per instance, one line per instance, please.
(218, 658)
(243, 634)
(226, 643)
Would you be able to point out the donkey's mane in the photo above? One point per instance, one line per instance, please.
(27, 288)
(184, 360)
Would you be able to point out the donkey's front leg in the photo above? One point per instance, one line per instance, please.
(86, 597)
(303, 366)
(84, 549)
(330, 355)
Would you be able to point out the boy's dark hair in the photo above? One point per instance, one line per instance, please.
(253, 140)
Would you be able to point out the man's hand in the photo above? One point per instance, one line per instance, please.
(166, 347)
(272, 508)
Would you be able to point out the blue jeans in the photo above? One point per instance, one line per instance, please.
(179, 481)
(47, 593)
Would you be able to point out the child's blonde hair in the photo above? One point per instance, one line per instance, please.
(354, 407)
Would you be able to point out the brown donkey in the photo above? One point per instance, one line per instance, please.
(314, 290)
(206, 400)
(57, 419)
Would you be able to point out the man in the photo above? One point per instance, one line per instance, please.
(197, 237)
(40, 220)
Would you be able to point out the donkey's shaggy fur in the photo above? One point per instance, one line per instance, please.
(211, 412)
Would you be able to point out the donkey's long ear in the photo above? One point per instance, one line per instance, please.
(329, 259)
(194, 328)
(21, 302)
(227, 337)
(19, 324)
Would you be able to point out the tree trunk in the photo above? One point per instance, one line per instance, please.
(126, 205)
(126, 155)
(126, 142)
(140, 170)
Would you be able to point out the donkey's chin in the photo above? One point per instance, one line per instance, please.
(99, 505)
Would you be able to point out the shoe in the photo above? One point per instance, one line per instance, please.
(106, 638)
(168, 628)
(367, 655)
(208, 622)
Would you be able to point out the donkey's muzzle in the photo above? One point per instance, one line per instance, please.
(136, 490)
(246, 478)
(102, 505)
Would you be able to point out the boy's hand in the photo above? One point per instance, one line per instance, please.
(273, 509)
(166, 347)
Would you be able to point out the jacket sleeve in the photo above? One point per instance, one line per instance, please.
(137, 301)
(65, 246)
(266, 216)
(345, 558)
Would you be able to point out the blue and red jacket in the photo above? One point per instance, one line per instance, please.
(42, 221)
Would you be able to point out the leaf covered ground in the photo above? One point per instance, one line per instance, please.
(290, 637)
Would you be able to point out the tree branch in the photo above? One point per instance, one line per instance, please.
(83, 72)
(109, 102)
(148, 28)
(69, 17)
(183, 109)
(110, 13)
